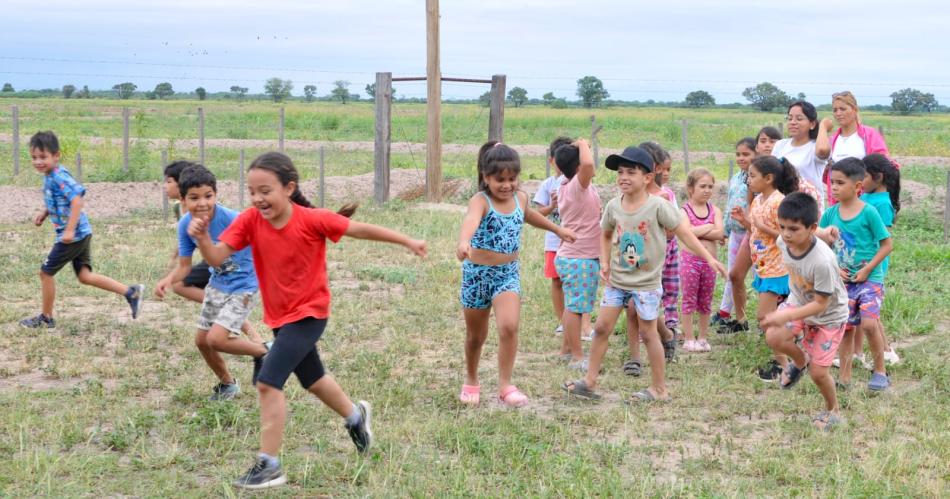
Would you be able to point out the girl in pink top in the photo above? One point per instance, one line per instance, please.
(697, 277)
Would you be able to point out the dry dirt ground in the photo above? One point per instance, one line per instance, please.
(110, 200)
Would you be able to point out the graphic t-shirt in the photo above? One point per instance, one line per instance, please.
(59, 190)
(804, 159)
(766, 259)
(738, 198)
(236, 273)
(859, 239)
(543, 198)
(580, 212)
(291, 262)
(816, 272)
(640, 240)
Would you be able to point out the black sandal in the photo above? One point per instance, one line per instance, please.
(632, 368)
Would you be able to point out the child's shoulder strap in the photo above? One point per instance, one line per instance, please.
(488, 200)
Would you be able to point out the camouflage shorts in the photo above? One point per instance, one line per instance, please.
(229, 310)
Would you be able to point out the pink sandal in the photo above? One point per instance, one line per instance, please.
(511, 396)
(470, 394)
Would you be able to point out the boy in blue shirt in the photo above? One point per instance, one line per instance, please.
(856, 233)
(64, 202)
(232, 288)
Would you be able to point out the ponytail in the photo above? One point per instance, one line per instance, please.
(784, 175)
(880, 165)
(298, 198)
(280, 165)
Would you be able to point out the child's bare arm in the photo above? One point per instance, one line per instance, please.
(372, 232)
(41, 215)
(534, 218)
(605, 243)
(476, 210)
(214, 254)
(586, 167)
(75, 209)
(689, 240)
(886, 247)
(178, 274)
(818, 305)
(717, 231)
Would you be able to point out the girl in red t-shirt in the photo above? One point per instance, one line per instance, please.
(288, 237)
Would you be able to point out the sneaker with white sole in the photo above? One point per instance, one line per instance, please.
(891, 357)
(362, 433)
(588, 337)
(559, 330)
(261, 476)
(135, 296)
(225, 391)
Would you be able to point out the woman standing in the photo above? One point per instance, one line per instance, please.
(800, 147)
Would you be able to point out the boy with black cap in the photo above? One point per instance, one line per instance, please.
(635, 223)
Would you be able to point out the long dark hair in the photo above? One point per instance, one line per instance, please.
(494, 158)
(808, 109)
(784, 175)
(884, 171)
(659, 156)
(281, 165)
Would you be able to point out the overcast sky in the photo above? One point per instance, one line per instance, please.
(641, 50)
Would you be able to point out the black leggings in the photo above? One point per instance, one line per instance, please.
(294, 350)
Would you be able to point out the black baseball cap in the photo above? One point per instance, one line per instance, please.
(631, 155)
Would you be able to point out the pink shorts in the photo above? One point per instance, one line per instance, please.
(550, 271)
(819, 342)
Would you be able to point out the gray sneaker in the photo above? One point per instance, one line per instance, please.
(362, 434)
(261, 476)
(135, 296)
(225, 391)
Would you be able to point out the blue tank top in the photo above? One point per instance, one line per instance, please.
(499, 232)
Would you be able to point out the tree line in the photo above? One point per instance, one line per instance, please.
(590, 92)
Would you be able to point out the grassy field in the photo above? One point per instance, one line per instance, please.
(105, 406)
(174, 123)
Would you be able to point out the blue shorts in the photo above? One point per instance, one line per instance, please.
(647, 303)
(482, 283)
(579, 279)
(776, 285)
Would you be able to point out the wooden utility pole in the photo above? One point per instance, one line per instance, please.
(381, 147)
(496, 109)
(433, 105)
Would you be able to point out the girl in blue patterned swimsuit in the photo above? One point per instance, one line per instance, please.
(488, 247)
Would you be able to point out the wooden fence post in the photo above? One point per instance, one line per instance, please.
(201, 135)
(79, 166)
(323, 191)
(383, 136)
(162, 185)
(685, 125)
(881, 129)
(16, 140)
(433, 105)
(280, 131)
(946, 211)
(241, 181)
(781, 128)
(594, 130)
(732, 166)
(125, 139)
(496, 109)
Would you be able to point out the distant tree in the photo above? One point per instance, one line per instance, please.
(68, 91)
(766, 96)
(517, 96)
(7, 87)
(341, 90)
(559, 103)
(163, 90)
(84, 93)
(202, 93)
(371, 90)
(485, 99)
(700, 98)
(548, 98)
(910, 100)
(591, 91)
(309, 91)
(124, 90)
(151, 95)
(239, 92)
(800, 96)
(278, 89)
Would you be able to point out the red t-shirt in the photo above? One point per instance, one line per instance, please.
(291, 262)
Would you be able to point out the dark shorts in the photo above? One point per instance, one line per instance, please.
(294, 351)
(76, 252)
(199, 276)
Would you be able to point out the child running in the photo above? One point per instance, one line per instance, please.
(771, 180)
(546, 203)
(193, 285)
(738, 199)
(816, 309)
(232, 289)
(861, 241)
(697, 277)
(64, 202)
(636, 223)
(288, 240)
(577, 262)
(488, 246)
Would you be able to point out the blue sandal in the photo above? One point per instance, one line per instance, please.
(792, 375)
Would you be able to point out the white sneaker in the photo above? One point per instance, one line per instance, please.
(863, 361)
(559, 330)
(891, 357)
(588, 337)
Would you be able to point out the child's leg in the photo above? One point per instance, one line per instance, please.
(704, 299)
(689, 285)
(189, 292)
(826, 385)
(633, 333)
(507, 307)
(586, 326)
(782, 341)
(844, 355)
(655, 355)
(671, 283)
(606, 320)
(875, 343)
(273, 417)
(90, 278)
(572, 333)
(48, 285)
(212, 358)
(725, 307)
(737, 274)
(223, 315)
(194, 284)
(557, 297)
(221, 340)
(476, 331)
(768, 303)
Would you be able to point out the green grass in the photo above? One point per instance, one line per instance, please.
(107, 406)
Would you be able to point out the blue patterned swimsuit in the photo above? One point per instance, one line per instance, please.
(501, 233)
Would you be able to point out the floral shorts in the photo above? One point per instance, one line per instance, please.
(482, 283)
(579, 279)
(819, 342)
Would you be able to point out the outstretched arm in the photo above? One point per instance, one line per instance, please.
(372, 232)
(540, 221)
(692, 243)
(586, 167)
(178, 274)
